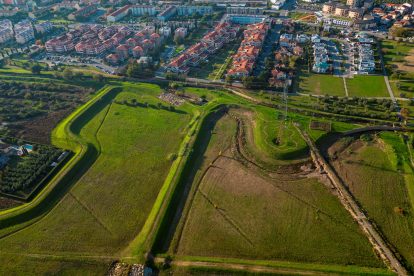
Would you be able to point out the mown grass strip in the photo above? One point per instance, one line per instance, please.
(339, 269)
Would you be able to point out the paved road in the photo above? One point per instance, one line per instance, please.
(387, 83)
(353, 208)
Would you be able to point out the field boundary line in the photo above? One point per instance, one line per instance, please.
(191, 188)
(304, 202)
(226, 217)
(90, 212)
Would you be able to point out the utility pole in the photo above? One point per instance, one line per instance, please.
(285, 99)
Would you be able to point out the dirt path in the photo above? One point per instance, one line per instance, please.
(248, 267)
(345, 87)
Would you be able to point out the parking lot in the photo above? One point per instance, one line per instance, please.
(97, 62)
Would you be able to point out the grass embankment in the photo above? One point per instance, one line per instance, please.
(73, 170)
(109, 205)
(290, 219)
(217, 101)
(367, 86)
(319, 84)
(381, 179)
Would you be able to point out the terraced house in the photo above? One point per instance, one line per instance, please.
(211, 43)
(249, 50)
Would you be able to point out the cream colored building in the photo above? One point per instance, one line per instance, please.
(355, 13)
(328, 8)
(341, 11)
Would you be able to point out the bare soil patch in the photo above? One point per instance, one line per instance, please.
(40, 129)
(408, 64)
(6, 203)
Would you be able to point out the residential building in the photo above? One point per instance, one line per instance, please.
(23, 32)
(320, 57)
(355, 13)
(145, 61)
(167, 13)
(328, 8)
(223, 33)
(43, 27)
(245, 10)
(118, 14)
(302, 38)
(353, 3)
(8, 12)
(245, 19)
(61, 44)
(113, 59)
(6, 30)
(83, 12)
(140, 10)
(225, 3)
(341, 11)
(285, 40)
(180, 32)
(185, 10)
(249, 50)
(90, 47)
(137, 52)
(165, 31)
(122, 51)
(368, 22)
(344, 22)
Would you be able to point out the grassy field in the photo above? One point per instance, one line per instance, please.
(284, 218)
(49, 265)
(399, 57)
(398, 52)
(216, 65)
(367, 86)
(379, 175)
(318, 84)
(106, 209)
(129, 154)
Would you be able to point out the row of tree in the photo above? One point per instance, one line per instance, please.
(28, 170)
